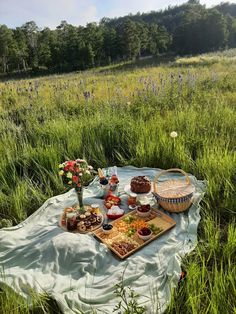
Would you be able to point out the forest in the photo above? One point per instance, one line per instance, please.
(188, 29)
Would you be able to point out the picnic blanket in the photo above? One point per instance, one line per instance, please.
(78, 271)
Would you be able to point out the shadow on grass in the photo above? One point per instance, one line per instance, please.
(138, 64)
(51, 306)
(15, 303)
(200, 63)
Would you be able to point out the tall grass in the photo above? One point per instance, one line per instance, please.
(210, 286)
(126, 118)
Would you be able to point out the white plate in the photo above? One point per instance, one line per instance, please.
(76, 230)
(127, 190)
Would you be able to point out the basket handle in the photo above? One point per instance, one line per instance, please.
(170, 170)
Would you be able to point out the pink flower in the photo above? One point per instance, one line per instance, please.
(75, 179)
(80, 160)
(70, 165)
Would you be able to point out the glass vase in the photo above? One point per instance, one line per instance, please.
(80, 196)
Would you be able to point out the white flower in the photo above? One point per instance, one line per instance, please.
(128, 103)
(70, 182)
(90, 167)
(173, 134)
(87, 171)
(69, 175)
(61, 166)
(61, 173)
(80, 174)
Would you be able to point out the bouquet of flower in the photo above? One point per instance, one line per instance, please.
(76, 173)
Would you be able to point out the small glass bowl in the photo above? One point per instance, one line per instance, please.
(145, 237)
(143, 214)
(133, 207)
(107, 231)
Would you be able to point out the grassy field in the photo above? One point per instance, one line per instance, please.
(124, 115)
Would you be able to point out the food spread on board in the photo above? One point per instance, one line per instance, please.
(130, 222)
(132, 232)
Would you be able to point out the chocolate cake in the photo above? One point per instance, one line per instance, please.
(140, 184)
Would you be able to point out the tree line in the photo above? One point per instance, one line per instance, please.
(186, 29)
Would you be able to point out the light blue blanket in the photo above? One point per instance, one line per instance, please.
(79, 271)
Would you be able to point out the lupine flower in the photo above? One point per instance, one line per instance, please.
(87, 95)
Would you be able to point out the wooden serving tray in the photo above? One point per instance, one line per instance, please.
(156, 218)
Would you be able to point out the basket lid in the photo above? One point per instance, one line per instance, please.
(175, 189)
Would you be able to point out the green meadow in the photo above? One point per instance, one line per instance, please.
(123, 115)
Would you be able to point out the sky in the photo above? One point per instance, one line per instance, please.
(50, 13)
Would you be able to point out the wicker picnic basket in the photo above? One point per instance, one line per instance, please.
(174, 195)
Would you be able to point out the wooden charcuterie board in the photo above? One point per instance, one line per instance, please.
(122, 243)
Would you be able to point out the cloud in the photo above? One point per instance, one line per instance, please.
(47, 12)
